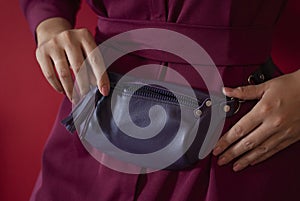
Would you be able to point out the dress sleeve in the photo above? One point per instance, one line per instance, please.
(37, 11)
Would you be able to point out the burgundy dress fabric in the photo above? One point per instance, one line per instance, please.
(237, 35)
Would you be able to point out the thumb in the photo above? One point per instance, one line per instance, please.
(245, 92)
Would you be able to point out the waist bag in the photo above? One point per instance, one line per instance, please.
(145, 123)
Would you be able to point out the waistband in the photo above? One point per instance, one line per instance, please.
(247, 45)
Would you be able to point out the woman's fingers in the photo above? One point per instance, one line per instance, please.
(61, 64)
(67, 50)
(91, 75)
(272, 125)
(248, 143)
(48, 70)
(76, 59)
(244, 126)
(276, 149)
(268, 148)
(246, 92)
(96, 62)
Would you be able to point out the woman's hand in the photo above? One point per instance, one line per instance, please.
(61, 49)
(272, 125)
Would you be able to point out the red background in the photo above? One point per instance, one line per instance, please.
(28, 105)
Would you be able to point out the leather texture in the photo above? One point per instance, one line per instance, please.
(131, 101)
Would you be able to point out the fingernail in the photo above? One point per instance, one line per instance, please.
(104, 90)
(254, 163)
(226, 90)
(237, 167)
(217, 151)
(222, 161)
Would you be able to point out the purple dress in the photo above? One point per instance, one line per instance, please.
(237, 35)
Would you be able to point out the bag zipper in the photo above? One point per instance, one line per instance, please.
(158, 94)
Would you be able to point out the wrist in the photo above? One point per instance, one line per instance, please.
(50, 28)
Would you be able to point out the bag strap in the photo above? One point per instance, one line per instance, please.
(265, 72)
